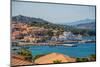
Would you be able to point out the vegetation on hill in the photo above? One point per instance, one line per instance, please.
(57, 61)
(86, 59)
(90, 25)
(25, 53)
(61, 28)
(38, 22)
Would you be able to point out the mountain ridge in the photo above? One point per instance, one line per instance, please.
(26, 19)
(38, 22)
(81, 22)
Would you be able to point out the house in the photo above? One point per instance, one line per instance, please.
(66, 36)
(28, 33)
(54, 38)
(61, 38)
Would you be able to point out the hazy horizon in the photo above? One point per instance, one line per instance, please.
(55, 13)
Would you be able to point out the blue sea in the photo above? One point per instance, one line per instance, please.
(81, 50)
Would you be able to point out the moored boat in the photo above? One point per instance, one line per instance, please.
(69, 45)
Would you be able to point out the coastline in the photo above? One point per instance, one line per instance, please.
(51, 58)
(46, 59)
(52, 43)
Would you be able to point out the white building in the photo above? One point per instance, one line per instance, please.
(67, 36)
(54, 38)
(61, 38)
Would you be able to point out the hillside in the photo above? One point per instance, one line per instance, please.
(25, 19)
(38, 22)
(81, 22)
(86, 25)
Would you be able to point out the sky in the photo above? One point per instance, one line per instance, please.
(56, 13)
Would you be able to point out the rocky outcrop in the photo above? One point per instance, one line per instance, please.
(50, 58)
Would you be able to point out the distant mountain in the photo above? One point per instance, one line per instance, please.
(25, 19)
(87, 25)
(81, 22)
(36, 22)
(40, 23)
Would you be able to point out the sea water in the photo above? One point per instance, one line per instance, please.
(81, 50)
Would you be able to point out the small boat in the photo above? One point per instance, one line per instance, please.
(69, 45)
(82, 41)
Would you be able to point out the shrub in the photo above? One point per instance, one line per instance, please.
(82, 59)
(92, 57)
(25, 53)
(85, 59)
(78, 59)
(57, 61)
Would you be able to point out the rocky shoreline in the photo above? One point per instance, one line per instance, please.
(52, 58)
